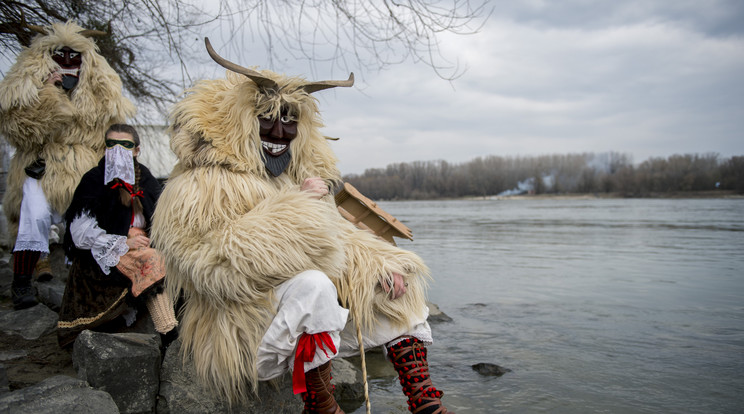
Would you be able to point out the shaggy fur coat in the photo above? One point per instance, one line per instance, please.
(41, 120)
(231, 232)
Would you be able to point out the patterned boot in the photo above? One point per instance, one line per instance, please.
(409, 360)
(319, 395)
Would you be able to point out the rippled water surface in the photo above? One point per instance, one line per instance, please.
(597, 306)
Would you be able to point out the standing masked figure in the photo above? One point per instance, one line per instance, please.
(273, 278)
(56, 102)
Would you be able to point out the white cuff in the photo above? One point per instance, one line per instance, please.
(105, 248)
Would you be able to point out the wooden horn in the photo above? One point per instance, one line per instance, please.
(91, 33)
(320, 85)
(37, 29)
(256, 77)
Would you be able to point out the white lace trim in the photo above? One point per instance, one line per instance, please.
(31, 245)
(107, 256)
(119, 164)
(105, 248)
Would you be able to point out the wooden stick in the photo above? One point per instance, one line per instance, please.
(364, 366)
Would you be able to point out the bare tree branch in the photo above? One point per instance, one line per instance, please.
(153, 44)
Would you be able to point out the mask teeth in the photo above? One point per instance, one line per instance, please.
(70, 72)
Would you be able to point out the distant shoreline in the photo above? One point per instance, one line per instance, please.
(671, 195)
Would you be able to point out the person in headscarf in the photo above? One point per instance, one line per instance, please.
(116, 277)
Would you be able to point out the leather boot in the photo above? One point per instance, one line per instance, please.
(22, 292)
(409, 360)
(44, 270)
(319, 395)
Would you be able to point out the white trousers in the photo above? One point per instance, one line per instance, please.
(36, 219)
(308, 303)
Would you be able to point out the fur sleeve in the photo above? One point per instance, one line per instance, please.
(204, 225)
(29, 126)
(370, 261)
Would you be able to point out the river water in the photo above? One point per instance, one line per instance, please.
(596, 305)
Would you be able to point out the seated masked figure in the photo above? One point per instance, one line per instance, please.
(273, 278)
(116, 277)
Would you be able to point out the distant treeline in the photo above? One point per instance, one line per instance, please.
(552, 174)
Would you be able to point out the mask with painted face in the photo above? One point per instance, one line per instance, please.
(69, 62)
(276, 135)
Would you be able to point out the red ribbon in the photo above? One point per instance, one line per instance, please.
(305, 353)
(131, 192)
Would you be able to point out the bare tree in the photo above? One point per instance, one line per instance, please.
(152, 43)
(145, 43)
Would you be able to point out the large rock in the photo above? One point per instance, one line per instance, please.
(58, 394)
(348, 380)
(490, 370)
(436, 315)
(50, 293)
(31, 323)
(181, 393)
(125, 365)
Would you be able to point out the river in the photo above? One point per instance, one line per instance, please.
(596, 305)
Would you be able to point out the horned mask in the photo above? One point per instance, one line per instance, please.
(277, 115)
(68, 59)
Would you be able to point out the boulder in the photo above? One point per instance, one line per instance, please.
(348, 380)
(181, 393)
(436, 315)
(50, 293)
(58, 394)
(491, 370)
(125, 365)
(31, 323)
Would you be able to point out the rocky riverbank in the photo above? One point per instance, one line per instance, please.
(125, 372)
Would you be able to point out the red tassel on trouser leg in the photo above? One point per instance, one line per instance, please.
(315, 385)
(319, 395)
(409, 360)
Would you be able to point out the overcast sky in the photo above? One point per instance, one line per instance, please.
(648, 78)
(645, 78)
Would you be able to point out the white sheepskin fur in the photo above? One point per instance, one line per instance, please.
(42, 120)
(231, 232)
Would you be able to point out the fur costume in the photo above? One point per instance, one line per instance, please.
(231, 232)
(41, 120)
